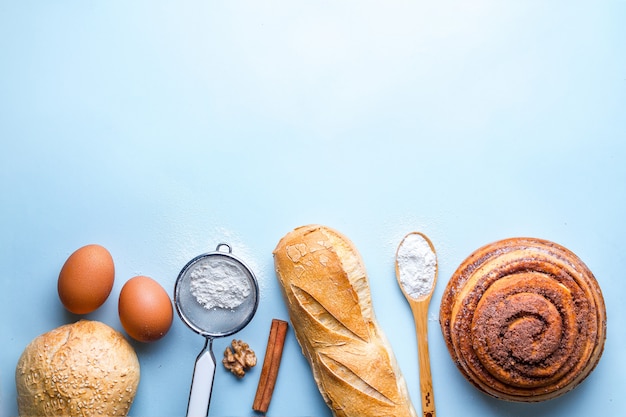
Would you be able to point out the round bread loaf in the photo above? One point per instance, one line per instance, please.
(524, 319)
(81, 369)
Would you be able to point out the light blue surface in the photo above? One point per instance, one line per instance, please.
(159, 129)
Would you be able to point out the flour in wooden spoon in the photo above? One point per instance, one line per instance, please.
(417, 265)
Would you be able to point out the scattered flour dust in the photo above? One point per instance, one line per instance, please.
(417, 263)
(218, 283)
(242, 251)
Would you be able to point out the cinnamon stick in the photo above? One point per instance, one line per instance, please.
(271, 363)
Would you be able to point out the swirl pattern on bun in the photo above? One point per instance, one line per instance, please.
(524, 319)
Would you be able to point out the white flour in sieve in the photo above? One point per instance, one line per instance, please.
(417, 264)
(219, 284)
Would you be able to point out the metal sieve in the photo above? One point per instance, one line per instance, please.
(212, 317)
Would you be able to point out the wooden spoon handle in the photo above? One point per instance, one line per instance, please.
(420, 314)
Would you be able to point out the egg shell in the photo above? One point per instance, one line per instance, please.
(145, 309)
(86, 279)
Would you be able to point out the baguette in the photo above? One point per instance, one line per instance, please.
(326, 289)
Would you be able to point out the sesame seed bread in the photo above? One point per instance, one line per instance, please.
(80, 369)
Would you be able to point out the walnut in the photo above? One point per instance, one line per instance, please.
(239, 359)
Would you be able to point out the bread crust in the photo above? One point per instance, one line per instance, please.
(80, 369)
(523, 319)
(326, 289)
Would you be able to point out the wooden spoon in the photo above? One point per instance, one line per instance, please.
(416, 272)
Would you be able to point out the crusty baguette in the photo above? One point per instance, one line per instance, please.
(327, 293)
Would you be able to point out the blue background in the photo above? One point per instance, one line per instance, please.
(159, 129)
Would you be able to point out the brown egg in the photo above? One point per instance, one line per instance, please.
(86, 279)
(145, 309)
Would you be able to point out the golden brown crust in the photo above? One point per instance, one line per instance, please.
(524, 319)
(327, 293)
(80, 369)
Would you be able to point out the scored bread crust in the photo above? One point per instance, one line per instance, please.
(80, 369)
(328, 297)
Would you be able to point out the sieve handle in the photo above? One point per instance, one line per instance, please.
(202, 382)
(226, 245)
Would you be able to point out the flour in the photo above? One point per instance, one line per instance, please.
(417, 265)
(218, 283)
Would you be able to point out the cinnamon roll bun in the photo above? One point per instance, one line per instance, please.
(524, 319)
